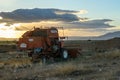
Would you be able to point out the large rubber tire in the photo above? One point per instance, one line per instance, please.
(64, 54)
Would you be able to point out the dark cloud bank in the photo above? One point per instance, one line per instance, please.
(37, 15)
(101, 23)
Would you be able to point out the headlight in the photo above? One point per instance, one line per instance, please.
(23, 45)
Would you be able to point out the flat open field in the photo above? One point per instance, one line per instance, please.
(97, 62)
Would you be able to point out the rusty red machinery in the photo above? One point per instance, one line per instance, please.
(44, 44)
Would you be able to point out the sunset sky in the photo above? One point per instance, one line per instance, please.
(77, 17)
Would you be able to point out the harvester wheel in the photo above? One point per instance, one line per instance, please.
(64, 54)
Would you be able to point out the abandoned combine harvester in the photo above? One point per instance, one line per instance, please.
(44, 44)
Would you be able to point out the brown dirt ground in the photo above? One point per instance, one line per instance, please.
(91, 65)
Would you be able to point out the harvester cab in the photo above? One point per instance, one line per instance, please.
(40, 43)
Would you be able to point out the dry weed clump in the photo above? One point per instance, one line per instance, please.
(2, 65)
(112, 54)
(16, 63)
(63, 69)
(66, 69)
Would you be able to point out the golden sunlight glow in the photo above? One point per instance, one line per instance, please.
(29, 26)
(1, 18)
(66, 32)
(9, 31)
(79, 32)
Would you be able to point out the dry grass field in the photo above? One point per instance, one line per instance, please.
(91, 65)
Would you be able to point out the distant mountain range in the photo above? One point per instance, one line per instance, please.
(110, 35)
(102, 37)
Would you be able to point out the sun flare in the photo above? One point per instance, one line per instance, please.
(7, 33)
(1, 18)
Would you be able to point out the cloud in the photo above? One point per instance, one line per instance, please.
(98, 23)
(37, 15)
(68, 19)
(71, 12)
(81, 12)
